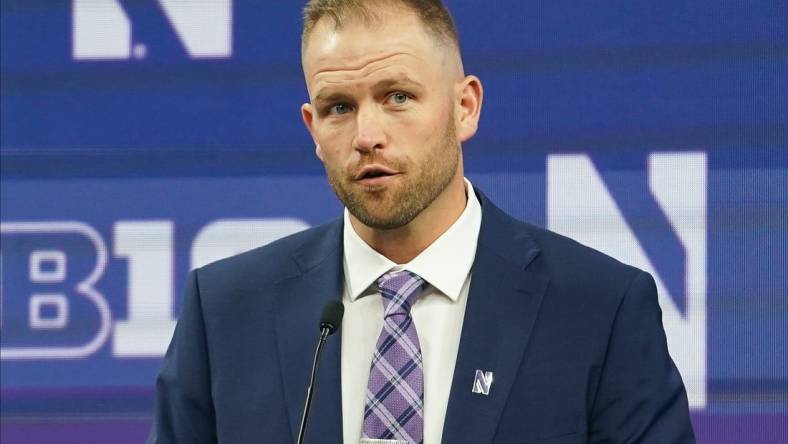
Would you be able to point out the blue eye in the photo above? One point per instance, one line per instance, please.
(399, 98)
(339, 108)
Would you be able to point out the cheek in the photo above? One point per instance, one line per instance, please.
(417, 128)
(331, 140)
(428, 130)
(335, 147)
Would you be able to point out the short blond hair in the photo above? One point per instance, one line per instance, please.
(432, 13)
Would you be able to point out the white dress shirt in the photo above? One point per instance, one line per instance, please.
(438, 315)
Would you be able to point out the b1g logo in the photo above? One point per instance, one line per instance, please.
(51, 305)
(115, 29)
(57, 290)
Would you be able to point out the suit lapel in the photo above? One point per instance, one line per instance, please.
(503, 303)
(300, 300)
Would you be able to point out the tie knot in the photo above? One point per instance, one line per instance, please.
(399, 289)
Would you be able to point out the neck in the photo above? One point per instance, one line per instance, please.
(400, 245)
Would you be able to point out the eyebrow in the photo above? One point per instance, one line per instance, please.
(327, 96)
(403, 82)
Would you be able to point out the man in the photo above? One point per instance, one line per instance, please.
(462, 324)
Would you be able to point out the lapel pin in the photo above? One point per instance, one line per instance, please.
(482, 382)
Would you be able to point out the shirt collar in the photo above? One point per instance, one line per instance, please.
(444, 264)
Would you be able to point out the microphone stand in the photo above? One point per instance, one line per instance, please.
(325, 331)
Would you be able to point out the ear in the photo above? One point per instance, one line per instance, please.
(469, 107)
(308, 116)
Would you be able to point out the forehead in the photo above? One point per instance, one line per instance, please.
(359, 48)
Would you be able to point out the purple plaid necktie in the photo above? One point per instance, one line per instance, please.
(395, 393)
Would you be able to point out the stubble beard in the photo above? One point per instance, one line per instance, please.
(396, 206)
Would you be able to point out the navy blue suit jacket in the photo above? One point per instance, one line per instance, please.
(573, 337)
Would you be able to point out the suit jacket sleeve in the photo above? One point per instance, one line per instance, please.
(184, 408)
(641, 397)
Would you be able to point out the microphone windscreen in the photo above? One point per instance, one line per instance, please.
(331, 318)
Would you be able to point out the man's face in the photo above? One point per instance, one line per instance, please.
(382, 115)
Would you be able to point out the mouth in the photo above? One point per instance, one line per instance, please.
(375, 175)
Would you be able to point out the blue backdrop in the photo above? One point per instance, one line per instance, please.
(142, 138)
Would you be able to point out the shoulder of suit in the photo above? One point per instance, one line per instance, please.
(577, 267)
(270, 263)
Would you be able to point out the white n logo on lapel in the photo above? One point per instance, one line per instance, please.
(482, 382)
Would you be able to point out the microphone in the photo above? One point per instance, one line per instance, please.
(330, 320)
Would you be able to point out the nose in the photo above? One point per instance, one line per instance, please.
(369, 131)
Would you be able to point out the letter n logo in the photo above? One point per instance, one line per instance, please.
(102, 29)
(655, 220)
(482, 382)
